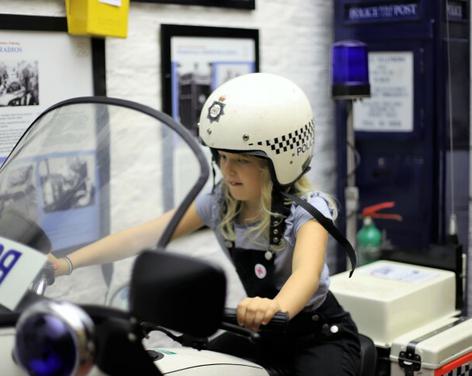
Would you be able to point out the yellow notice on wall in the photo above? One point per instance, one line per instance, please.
(107, 18)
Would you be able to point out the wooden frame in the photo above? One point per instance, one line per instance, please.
(238, 4)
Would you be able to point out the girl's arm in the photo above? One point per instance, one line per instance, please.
(307, 265)
(127, 242)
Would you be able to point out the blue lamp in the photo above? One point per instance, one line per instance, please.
(54, 339)
(350, 81)
(350, 70)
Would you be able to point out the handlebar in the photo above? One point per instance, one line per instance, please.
(278, 323)
(44, 279)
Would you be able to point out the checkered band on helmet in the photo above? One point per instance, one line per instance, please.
(291, 140)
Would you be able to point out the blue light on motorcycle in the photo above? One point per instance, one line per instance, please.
(54, 339)
(45, 346)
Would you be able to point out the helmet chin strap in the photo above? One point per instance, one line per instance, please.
(214, 161)
(213, 175)
(281, 210)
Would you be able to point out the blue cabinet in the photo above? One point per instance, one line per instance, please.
(419, 71)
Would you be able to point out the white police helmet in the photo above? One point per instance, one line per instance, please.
(261, 114)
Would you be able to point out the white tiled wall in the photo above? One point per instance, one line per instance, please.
(295, 40)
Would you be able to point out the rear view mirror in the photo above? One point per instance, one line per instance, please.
(178, 292)
(17, 227)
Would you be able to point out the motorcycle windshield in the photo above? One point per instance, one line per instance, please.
(90, 168)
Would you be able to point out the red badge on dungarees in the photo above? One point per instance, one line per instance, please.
(260, 271)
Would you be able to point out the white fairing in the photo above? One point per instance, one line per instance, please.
(178, 362)
(191, 362)
(7, 339)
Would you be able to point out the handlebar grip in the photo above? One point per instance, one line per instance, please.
(279, 321)
(49, 273)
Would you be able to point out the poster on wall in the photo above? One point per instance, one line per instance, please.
(195, 61)
(40, 65)
(390, 107)
(38, 69)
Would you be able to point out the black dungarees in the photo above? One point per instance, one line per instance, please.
(321, 342)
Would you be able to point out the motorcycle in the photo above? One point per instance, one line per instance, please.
(130, 164)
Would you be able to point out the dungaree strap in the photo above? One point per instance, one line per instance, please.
(329, 226)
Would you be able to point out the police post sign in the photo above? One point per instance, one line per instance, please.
(19, 266)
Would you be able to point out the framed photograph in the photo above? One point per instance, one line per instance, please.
(239, 4)
(40, 65)
(196, 60)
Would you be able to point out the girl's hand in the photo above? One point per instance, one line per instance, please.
(254, 312)
(59, 265)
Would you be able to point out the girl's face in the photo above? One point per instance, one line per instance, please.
(242, 175)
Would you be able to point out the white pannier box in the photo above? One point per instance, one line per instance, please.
(388, 299)
(441, 348)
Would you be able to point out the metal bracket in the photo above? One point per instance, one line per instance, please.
(410, 362)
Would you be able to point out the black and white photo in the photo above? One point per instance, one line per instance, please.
(19, 83)
(67, 182)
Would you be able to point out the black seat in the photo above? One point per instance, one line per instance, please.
(368, 364)
(368, 356)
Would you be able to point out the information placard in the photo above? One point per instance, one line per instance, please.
(40, 65)
(390, 107)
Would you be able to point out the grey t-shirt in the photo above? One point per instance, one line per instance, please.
(209, 208)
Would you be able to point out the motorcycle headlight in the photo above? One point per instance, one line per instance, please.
(54, 338)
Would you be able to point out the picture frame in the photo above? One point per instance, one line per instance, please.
(47, 23)
(57, 66)
(197, 59)
(237, 4)
(194, 60)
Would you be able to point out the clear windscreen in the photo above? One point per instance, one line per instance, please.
(84, 171)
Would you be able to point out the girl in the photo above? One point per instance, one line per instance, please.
(260, 130)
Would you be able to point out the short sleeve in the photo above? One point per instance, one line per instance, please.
(301, 216)
(206, 205)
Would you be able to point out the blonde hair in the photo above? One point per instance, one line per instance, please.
(232, 207)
